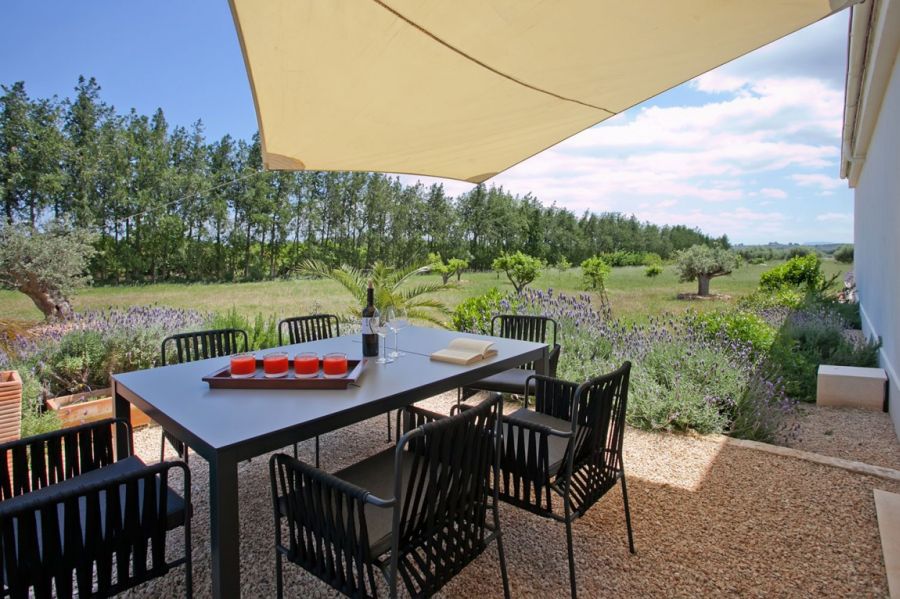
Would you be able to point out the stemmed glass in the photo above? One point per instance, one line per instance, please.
(397, 321)
(382, 322)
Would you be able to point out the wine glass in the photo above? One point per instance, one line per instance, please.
(382, 321)
(397, 321)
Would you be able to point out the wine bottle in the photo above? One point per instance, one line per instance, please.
(369, 322)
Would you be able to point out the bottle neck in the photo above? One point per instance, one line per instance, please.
(370, 296)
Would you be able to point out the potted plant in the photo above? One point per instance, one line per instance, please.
(10, 405)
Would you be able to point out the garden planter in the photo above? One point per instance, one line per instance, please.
(10, 405)
(87, 407)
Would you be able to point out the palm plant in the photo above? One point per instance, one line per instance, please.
(392, 285)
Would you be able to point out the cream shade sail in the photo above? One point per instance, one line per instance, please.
(465, 89)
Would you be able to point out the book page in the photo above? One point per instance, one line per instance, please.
(474, 346)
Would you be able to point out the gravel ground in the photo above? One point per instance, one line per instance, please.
(709, 520)
(848, 433)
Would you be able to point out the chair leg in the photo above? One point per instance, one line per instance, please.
(295, 451)
(317, 451)
(279, 583)
(389, 426)
(570, 549)
(502, 554)
(627, 514)
(162, 445)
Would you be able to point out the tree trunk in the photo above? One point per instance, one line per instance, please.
(53, 305)
(703, 285)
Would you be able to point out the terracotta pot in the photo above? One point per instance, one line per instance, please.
(88, 407)
(10, 405)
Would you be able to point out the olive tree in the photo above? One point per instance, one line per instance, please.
(701, 263)
(46, 265)
(520, 268)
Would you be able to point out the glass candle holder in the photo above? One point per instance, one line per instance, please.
(243, 366)
(334, 365)
(275, 365)
(306, 365)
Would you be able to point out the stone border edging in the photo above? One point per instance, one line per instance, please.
(850, 465)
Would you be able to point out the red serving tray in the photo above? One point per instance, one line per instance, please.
(222, 379)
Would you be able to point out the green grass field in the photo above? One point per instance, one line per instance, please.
(632, 295)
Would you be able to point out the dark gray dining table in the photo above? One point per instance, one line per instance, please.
(226, 426)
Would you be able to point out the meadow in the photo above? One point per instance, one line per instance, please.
(633, 296)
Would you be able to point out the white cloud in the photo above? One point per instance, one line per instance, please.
(823, 182)
(716, 159)
(829, 217)
(770, 192)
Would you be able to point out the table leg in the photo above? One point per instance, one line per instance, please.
(121, 409)
(542, 366)
(224, 526)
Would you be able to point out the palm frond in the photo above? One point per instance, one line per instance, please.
(400, 275)
(427, 317)
(425, 289)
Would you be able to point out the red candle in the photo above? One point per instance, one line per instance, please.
(306, 365)
(243, 366)
(275, 364)
(335, 365)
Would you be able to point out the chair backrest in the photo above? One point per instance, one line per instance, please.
(599, 422)
(200, 345)
(445, 496)
(524, 327)
(302, 329)
(47, 539)
(43, 460)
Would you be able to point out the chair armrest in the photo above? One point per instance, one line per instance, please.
(281, 463)
(43, 460)
(32, 502)
(538, 428)
(412, 417)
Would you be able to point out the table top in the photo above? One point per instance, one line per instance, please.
(251, 422)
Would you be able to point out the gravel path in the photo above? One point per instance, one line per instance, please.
(709, 519)
(848, 433)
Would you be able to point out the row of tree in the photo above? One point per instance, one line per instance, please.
(167, 204)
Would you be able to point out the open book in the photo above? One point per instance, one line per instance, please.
(465, 351)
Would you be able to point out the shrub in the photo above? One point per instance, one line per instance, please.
(76, 364)
(652, 259)
(653, 270)
(563, 264)
(621, 258)
(594, 272)
(737, 325)
(844, 254)
(521, 269)
(681, 379)
(474, 314)
(262, 331)
(701, 263)
(800, 271)
(810, 336)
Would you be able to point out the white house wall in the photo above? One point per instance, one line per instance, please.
(877, 238)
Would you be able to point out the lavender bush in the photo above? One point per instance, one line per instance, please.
(683, 377)
(80, 354)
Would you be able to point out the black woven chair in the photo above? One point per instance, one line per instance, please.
(569, 445)
(72, 509)
(418, 510)
(523, 328)
(303, 329)
(193, 346)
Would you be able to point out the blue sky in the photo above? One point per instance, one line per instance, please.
(750, 150)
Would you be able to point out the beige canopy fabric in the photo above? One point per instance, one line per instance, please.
(465, 89)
